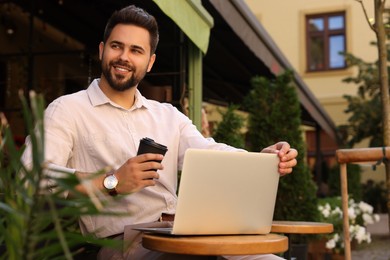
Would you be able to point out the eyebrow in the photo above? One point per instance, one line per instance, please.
(137, 47)
(133, 46)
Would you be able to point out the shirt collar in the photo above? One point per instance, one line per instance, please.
(97, 97)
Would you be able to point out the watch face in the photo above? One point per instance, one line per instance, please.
(110, 182)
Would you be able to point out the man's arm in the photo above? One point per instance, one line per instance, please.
(135, 174)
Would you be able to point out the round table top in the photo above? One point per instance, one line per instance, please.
(217, 245)
(301, 227)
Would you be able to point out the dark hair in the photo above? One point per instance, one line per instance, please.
(135, 16)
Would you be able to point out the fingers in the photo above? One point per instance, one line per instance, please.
(285, 171)
(283, 147)
(149, 161)
(288, 155)
(287, 161)
(151, 166)
(148, 157)
(139, 172)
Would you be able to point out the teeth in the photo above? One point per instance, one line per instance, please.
(121, 69)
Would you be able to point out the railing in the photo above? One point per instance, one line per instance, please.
(358, 155)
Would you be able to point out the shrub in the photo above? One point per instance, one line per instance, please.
(228, 130)
(353, 178)
(275, 115)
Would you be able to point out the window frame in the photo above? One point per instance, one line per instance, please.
(325, 35)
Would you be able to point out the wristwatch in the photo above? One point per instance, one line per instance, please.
(110, 182)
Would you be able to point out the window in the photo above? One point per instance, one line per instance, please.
(325, 40)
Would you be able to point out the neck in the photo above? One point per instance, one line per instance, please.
(124, 99)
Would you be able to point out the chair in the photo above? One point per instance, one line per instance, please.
(357, 155)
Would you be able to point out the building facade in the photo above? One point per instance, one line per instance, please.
(312, 34)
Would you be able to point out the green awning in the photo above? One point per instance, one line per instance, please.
(191, 17)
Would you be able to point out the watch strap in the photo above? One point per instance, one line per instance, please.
(112, 192)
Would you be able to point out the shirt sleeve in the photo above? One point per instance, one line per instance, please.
(59, 137)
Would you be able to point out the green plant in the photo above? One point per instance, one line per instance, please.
(374, 193)
(36, 220)
(359, 214)
(365, 114)
(228, 130)
(274, 115)
(353, 178)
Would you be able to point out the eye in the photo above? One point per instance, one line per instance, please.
(115, 46)
(136, 51)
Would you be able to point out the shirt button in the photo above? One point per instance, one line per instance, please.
(171, 205)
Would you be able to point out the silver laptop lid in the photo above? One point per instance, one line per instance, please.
(226, 193)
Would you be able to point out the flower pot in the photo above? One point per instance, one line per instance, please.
(317, 250)
(337, 256)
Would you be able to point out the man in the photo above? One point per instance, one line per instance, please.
(103, 125)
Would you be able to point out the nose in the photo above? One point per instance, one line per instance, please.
(124, 55)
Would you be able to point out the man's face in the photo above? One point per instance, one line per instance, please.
(126, 56)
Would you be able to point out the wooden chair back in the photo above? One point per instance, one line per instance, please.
(357, 155)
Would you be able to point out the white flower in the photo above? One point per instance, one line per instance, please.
(336, 237)
(352, 230)
(337, 211)
(325, 210)
(360, 214)
(357, 232)
(364, 207)
(360, 234)
(367, 218)
(351, 213)
(326, 213)
(330, 244)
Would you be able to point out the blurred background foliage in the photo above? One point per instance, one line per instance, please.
(38, 221)
(274, 115)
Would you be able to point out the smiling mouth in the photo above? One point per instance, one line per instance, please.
(122, 69)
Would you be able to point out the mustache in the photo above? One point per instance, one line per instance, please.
(123, 64)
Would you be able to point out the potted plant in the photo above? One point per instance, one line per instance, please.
(37, 222)
(360, 214)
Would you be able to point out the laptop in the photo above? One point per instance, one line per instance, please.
(223, 193)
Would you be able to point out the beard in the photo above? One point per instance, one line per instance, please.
(118, 82)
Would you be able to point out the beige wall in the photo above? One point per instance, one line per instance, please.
(284, 21)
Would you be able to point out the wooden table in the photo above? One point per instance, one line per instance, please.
(216, 245)
(299, 227)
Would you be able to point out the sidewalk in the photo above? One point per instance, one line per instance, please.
(379, 248)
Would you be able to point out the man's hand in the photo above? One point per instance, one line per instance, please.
(138, 172)
(286, 154)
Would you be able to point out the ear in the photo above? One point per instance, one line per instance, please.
(101, 47)
(151, 62)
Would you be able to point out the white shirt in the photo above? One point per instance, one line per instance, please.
(87, 132)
